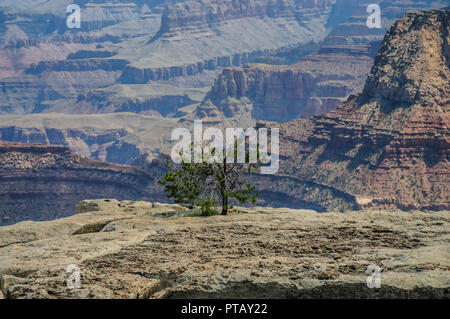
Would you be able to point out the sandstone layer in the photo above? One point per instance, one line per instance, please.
(148, 250)
(44, 64)
(160, 58)
(41, 182)
(46, 67)
(386, 148)
(389, 146)
(114, 137)
(316, 84)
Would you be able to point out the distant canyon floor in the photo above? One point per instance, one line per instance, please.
(151, 250)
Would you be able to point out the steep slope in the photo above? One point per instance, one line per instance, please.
(44, 61)
(212, 34)
(320, 81)
(388, 146)
(40, 182)
(315, 85)
(44, 64)
(114, 137)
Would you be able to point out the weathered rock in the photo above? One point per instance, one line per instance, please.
(44, 72)
(281, 93)
(195, 15)
(417, 73)
(32, 176)
(382, 148)
(115, 142)
(86, 206)
(259, 253)
(320, 81)
(61, 68)
(7, 281)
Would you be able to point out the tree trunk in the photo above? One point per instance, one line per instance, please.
(224, 188)
(224, 205)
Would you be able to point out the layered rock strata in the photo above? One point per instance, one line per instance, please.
(388, 146)
(320, 81)
(41, 182)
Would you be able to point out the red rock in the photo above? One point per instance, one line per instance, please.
(388, 147)
(41, 182)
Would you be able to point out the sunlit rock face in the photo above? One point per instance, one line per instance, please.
(388, 146)
(42, 182)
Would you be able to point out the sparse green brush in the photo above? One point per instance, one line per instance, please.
(197, 212)
(208, 185)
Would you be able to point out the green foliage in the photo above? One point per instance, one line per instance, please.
(208, 185)
(198, 212)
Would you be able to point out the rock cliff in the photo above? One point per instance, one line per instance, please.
(315, 85)
(195, 15)
(41, 182)
(198, 15)
(388, 146)
(45, 67)
(115, 137)
(320, 81)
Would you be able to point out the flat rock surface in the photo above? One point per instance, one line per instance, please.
(150, 250)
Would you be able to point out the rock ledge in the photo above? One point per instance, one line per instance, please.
(130, 250)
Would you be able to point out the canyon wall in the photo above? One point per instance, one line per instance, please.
(195, 15)
(281, 93)
(388, 146)
(127, 43)
(319, 82)
(41, 182)
(105, 145)
(46, 67)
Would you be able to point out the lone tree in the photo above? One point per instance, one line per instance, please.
(210, 183)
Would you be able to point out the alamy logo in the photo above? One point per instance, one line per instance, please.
(188, 151)
(374, 20)
(73, 276)
(74, 18)
(374, 278)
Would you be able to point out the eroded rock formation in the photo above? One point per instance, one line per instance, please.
(315, 85)
(388, 146)
(41, 182)
(319, 82)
